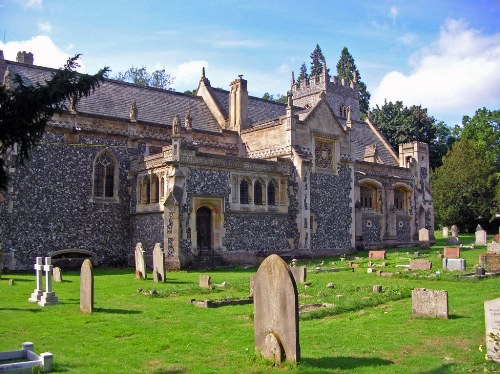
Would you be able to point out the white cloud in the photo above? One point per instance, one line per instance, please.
(454, 76)
(408, 39)
(31, 4)
(284, 69)
(393, 12)
(45, 27)
(188, 74)
(45, 52)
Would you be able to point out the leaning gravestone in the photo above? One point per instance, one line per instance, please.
(429, 303)
(492, 320)
(423, 238)
(454, 231)
(445, 232)
(276, 311)
(299, 273)
(140, 264)
(205, 281)
(480, 236)
(86, 287)
(158, 264)
(57, 274)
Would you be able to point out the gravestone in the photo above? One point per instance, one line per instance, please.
(479, 271)
(140, 264)
(490, 261)
(48, 296)
(492, 321)
(453, 240)
(158, 264)
(429, 303)
(493, 248)
(451, 252)
(480, 237)
(420, 265)
(299, 273)
(276, 312)
(57, 274)
(496, 238)
(454, 231)
(376, 255)
(252, 283)
(453, 264)
(423, 238)
(205, 281)
(87, 287)
(445, 232)
(37, 293)
(377, 288)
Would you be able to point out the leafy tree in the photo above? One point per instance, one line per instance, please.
(346, 67)
(191, 92)
(317, 61)
(278, 98)
(303, 76)
(400, 124)
(140, 76)
(464, 187)
(26, 109)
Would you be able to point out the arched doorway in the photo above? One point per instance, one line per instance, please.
(204, 228)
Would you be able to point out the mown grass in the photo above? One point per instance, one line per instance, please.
(135, 332)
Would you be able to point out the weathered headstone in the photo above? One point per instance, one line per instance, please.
(252, 283)
(369, 270)
(490, 261)
(453, 264)
(451, 252)
(453, 240)
(492, 320)
(429, 303)
(205, 281)
(423, 238)
(496, 238)
(493, 248)
(48, 296)
(158, 264)
(37, 293)
(276, 311)
(299, 273)
(480, 237)
(140, 264)
(57, 274)
(87, 287)
(377, 288)
(479, 271)
(376, 255)
(454, 231)
(445, 232)
(420, 265)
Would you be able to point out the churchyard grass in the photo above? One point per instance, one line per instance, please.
(158, 331)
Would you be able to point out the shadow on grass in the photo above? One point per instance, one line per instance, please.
(33, 310)
(456, 316)
(170, 280)
(344, 363)
(116, 311)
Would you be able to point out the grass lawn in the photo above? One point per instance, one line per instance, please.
(135, 332)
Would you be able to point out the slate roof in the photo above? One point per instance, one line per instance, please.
(364, 136)
(113, 99)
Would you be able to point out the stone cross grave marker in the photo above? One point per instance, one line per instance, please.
(453, 264)
(376, 255)
(481, 237)
(57, 274)
(48, 296)
(205, 281)
(429, 303)
(158, 264)
(420, 265)
(454, 231)
(423, 238)
(445, 232)
(492, 320)
(451, 252)
(276, 311)
(37, 293)
(299, 273)
(87, 287)
(140, 264)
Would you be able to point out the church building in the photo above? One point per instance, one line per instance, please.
(220, 174)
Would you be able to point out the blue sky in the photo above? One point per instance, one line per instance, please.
(443, 55)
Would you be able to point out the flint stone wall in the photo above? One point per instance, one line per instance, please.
(403, 233)
(147, 228)
(51, 196)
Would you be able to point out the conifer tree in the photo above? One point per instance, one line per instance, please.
(303, 73)
(317, 61)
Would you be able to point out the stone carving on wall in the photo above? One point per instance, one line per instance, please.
(323, 154)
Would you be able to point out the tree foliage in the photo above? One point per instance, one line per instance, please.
(158, 78)
(278, 97)
(303, 75)
(400, 124)
(464, 187)
(317, 62)
(346, 67)
(26, 109)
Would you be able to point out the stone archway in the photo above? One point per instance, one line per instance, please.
(204, 229)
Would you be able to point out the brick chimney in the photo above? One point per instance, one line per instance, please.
(25, 57)
(238, 104)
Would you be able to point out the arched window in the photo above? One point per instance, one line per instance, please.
(154, 188)
(105, 176)
(369, 198)
(271, 192)
(401, 197)
(257, 193)
(243, 192)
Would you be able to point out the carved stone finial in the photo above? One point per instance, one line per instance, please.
(293, 78)
(289, 99)
(176, 127)
(188, 120)
(133, 111)
(7, 79)
(348, 121)
(203, 72)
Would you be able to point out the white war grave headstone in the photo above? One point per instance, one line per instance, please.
(492, 320)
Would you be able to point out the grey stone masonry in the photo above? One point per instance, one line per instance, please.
(429, 303)
(87, 287)
(276, 311)
(492, 321)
